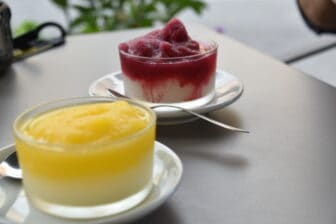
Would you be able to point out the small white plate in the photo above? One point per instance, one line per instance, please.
(15, 208)
(228, 88)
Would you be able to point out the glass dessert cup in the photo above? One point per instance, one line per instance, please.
(86, 180)
(188, 81)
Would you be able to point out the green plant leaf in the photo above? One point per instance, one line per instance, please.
(82, 9)
(76, 22)
(63, 4)
(98, 15)
(25, 27)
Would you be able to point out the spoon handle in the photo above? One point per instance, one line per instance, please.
(220, 124)
(115, 94)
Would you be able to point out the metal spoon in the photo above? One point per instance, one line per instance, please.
(9, 167)
(116, 94)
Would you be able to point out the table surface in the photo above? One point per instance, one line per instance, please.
(282, 172)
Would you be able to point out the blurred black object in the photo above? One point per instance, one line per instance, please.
(317, 29)
(6, 44)
(29, 43)
(25, 45)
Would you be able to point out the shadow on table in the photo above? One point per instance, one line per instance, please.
(7, 79)
(166, 211)
(226, 159)
(203, 129)
(191, 140)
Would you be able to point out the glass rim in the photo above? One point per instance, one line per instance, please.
(69, 102)
(213, 48)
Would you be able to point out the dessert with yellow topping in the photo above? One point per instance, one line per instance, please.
(90, 154)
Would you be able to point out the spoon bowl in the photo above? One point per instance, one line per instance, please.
(9, 167)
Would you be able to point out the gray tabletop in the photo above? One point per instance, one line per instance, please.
(284, 171)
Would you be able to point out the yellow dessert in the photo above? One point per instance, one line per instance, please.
(87, 154)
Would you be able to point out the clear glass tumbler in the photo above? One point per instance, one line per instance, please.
(185, 80)
(85, 180)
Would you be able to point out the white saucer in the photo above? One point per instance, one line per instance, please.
(15, 208)
(228, 88)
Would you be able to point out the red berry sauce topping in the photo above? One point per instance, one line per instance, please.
(168, 54)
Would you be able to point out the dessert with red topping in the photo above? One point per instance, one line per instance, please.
(167, 66)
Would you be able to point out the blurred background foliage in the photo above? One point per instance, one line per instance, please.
(89, 16)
